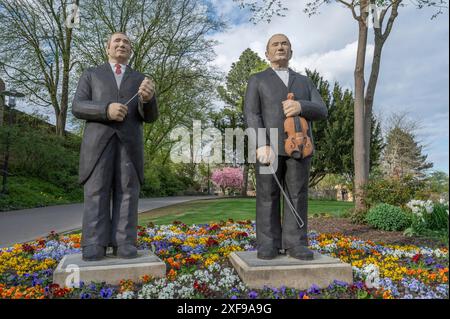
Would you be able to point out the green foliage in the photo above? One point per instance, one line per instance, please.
(165, 180)
(334, 138)
(392, 191)
(388, 217)
(436, 186)
(233, 93)
(42, 167)
(438, 219)
(432, 224)
(37, 153)
(29, 192)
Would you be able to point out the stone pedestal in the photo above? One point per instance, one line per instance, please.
(289, 272)
(111, 270)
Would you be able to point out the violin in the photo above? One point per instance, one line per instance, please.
(297, 143)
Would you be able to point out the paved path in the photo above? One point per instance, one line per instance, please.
(28, 224)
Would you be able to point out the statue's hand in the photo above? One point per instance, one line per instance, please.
(117, 111)
(291, 108)
(265, 155)
(146, 90)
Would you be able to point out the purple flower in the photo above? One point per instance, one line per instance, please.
(106, 293)
(301, 294)
(85, 296)
(253, 294)
(429, 260)
(337, 283)
(186, 248)
(234, 297)
(314, 289)
(36, 282)
(359, 285)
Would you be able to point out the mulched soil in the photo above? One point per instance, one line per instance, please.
(346, 227)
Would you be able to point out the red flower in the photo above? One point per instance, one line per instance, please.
(200, 287)
(27, 248)
(416, 258)
(189, 261)
(214, 227)
(211, 242)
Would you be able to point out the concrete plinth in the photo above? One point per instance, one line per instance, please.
(289, 272)
(110, 269)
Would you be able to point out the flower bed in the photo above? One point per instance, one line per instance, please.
(198, 267)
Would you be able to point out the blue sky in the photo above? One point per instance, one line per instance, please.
(414, 76)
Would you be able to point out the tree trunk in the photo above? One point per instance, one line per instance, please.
(360, 149)
(380, 39)
(370, 93)
(61, 123)
(245, 180)
(2, 101)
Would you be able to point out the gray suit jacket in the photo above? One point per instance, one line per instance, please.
(97, 88)
(263, 103)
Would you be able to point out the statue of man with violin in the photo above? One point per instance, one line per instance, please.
(287, 101)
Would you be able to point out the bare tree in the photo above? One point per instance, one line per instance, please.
(170, 45)
(36, 42)
(383, 21)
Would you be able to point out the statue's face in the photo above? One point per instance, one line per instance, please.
(119, 48)
(279, 49)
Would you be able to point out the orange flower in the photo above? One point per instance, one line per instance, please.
(146, 278)
(172, 274)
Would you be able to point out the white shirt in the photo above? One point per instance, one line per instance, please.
(118, 77)
(283, 74)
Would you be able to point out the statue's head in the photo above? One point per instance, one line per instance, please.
(278, 49)
(118, 47)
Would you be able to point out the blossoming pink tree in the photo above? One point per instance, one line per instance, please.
(230, 178)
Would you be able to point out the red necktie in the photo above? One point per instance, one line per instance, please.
(118, 69)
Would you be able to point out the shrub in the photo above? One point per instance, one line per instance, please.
(428, 217)
(388, 217)
(395, 192)
(438, 219)
(164, 180)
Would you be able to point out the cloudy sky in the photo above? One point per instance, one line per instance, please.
(414, 75)
(414, 72)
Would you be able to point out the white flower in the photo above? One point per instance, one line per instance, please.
(373, 276)
(125, 295)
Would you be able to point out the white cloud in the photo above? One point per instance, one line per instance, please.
(414, 65)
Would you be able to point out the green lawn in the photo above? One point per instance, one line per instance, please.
(206, 211)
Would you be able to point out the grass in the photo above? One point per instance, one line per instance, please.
(206, 211)
(30, 192)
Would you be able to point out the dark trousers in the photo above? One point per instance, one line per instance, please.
(114, 180)
(270, 232)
